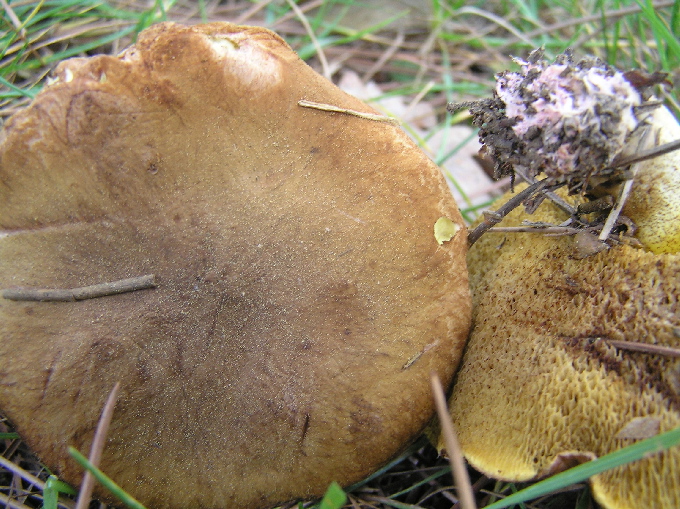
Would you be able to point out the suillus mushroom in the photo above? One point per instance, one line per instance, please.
(285, 299)
(575, 344)
(549, 378)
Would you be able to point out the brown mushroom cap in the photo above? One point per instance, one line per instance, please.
(541, 386)
(302, 298)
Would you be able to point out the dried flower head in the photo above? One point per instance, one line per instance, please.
(566, 119)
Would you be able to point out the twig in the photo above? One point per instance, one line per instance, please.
(546, 230)
(493, 218)
(80, 293)
(476, 488)
(250, 12)
(554, 197)
(280, 21)
(616, 211)
(498, 20)
(26, 476)
(645, 139)
(11, 503)
(30, 479)
(650, 153)
(418, 98)
(97, 448)
(387, 55)
(336, 109)
(460, 473)
(645, 348)
(108, 483)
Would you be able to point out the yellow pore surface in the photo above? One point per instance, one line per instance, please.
(541, 385)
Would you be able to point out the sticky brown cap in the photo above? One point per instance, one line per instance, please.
(302, 299)
(541, 387)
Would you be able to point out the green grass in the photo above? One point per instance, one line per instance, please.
(37, 35)
(634, 452)
(451, 58)
(53, 488)
(105, 480)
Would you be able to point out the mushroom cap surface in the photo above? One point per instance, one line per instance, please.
(301, 302)
(540, 388)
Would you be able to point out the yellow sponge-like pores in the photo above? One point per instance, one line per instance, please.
(541, 386)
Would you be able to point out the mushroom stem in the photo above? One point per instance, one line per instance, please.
(576, 122)
(80, 293)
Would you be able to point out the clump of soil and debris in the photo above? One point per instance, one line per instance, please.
(569, 119)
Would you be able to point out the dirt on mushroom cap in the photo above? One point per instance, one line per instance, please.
(298, 275)
(541, 386)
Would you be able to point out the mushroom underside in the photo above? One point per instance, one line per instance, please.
(542, 386)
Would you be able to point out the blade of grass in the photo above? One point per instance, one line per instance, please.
(28, 18)
(87, 46)
(334, 498)
(583, 501)
(308, 51)
(53, 487)
(17, 90)
(426, 480)
(310, 33)
(441, 159)
(582, 472)
(662, 33)
(105, 480)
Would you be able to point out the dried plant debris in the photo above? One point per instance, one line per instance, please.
(575, 124)
(566, 119)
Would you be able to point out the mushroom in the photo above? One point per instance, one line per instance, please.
(300, 299)
(575, 344)
(570, 358)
